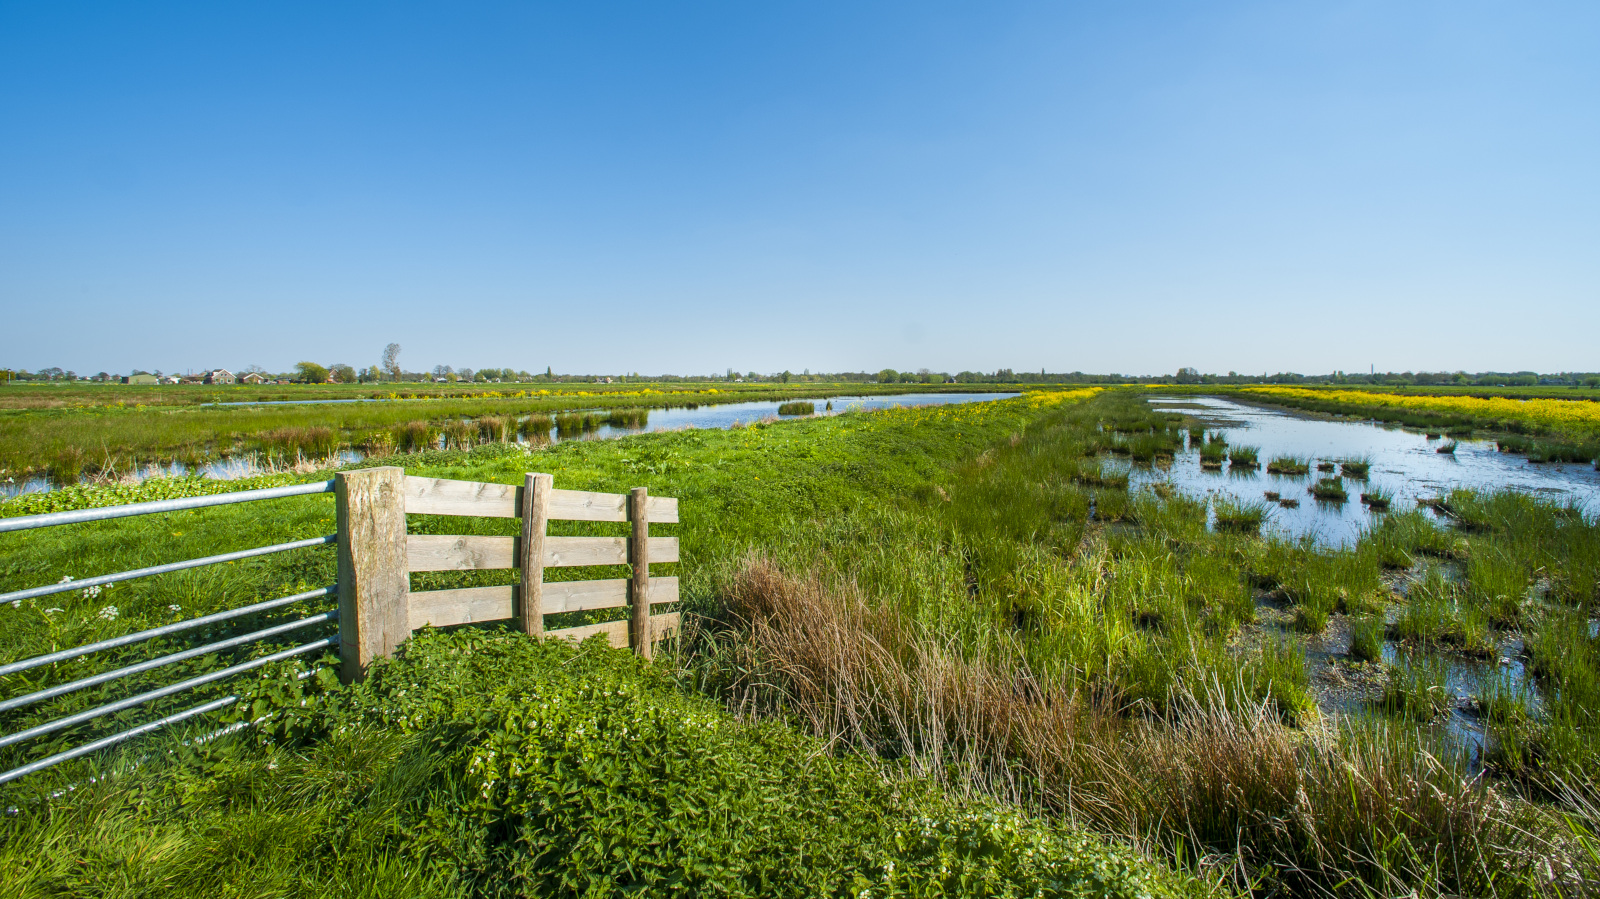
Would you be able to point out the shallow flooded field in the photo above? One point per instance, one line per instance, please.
(1404, 463)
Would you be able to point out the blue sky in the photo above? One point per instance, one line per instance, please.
(606, 187)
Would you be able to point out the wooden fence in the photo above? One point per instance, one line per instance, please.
(378, 611)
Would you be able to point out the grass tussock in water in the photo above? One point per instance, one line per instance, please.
(1244, 457)
(1355, 469)
(632, 419)
(1289, 465)
(797, 407)
(1329, 490)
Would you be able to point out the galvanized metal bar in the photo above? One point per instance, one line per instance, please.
(100, 580)
(131, 701)
(178, 627)
(51, 519)
(114, 674)
(116, 738)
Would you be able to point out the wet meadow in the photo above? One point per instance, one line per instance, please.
(1066, 612)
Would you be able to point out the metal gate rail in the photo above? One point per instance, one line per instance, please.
(106, 513)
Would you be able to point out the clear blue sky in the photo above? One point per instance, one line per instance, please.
(689, 187)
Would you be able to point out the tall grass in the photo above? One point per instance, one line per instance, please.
(628, 418)
(797, 407)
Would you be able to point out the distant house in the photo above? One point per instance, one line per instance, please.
(254, 377)
(171, 379)
(141, 379)
(220, 376)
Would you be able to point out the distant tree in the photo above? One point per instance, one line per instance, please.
(1004, 375)
(310, 373)
(1187, 375)
(1592, 382)
(391, 360)
(343, 374)
(442, 371)
(888, 376)
(786, 376)
(372, 374)
(464, 373)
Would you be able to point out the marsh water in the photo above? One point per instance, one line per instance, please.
(722, 415)
(1406, 463)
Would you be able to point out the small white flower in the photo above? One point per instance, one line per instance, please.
(109, 613)
(16, 604)
(91, 592)
(174, 608)
(52, 611)
(67, 578)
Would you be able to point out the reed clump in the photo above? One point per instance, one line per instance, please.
(416, 437)
(1377, 498)
(1330, 490)
(575, 424)
(1356, 469)
(1244, 457)
(797, 408)
(300, 442)
(1239, 517)
(1289, 465)
(633, 419)
(1448, 447)
(461, 435)
(536, 427)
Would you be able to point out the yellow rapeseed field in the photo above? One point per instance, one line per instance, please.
(1565, 414)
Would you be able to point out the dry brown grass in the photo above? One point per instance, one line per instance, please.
(1336, 808)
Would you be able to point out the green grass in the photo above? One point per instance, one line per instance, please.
(1366, 639)
(1239, 517)
(796, 407)
(477, 761)
(1355, 468)
(628, 418)
(1377, 498)
(1289, 465)
(1244, 457)
(1329, 490)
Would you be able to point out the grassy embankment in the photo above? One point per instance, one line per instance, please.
(106, 431)
(1018, 622)
(1540, 426)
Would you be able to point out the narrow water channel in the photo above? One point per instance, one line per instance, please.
(723, 415)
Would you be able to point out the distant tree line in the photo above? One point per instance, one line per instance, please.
(388, 369)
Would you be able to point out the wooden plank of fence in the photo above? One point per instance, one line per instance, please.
(373, 584)
(618, 632)
(442, 496)
(446, 608)
(452, 552)
(530, 557)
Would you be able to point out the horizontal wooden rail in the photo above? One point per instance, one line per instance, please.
(661, 627)
(444, 608)
(450, 552)
(441, 496)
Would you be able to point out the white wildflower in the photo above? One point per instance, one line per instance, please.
(91, 592)
(16, 604)
(109, 613)
(174, 608)
(53, 611)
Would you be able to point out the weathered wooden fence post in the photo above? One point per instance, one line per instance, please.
(374, 613)
(639, 558)
(535, 515)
